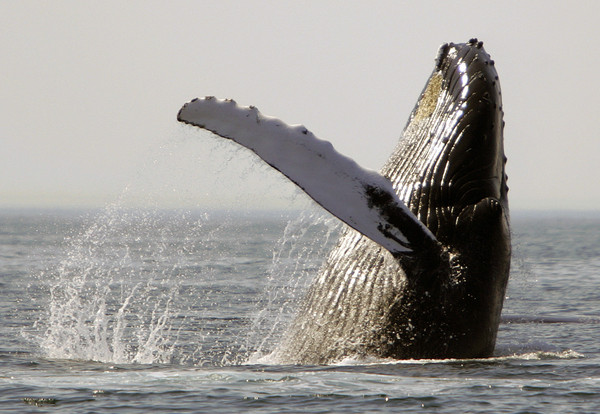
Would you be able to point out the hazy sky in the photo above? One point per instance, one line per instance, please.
(90, 92)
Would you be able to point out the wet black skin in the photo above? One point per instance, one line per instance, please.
(444, 299)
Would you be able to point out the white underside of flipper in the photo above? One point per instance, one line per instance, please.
(333, 180)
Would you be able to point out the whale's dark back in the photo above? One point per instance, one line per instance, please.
(448, 168)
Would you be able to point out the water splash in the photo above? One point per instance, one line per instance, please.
(111, 296)
(148, 286)
(188, 287)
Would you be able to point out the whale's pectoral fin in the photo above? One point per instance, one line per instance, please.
(361, 198)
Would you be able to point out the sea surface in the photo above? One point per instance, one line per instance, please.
(134, 311)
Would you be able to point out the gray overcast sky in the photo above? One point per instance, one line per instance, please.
(90, 92)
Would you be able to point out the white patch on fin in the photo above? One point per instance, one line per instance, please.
(336, 182)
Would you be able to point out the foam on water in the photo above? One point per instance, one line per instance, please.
(531, 355)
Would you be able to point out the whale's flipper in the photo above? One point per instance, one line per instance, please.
(363, 199)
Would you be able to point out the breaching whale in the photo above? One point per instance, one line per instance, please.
(421, 271)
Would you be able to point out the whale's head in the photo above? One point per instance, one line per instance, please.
(451, 156)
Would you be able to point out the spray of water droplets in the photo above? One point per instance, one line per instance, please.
(148, 286)
(111, 296)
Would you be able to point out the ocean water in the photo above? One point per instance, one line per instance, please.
(136, 311)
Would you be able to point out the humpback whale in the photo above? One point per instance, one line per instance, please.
(422, 268)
